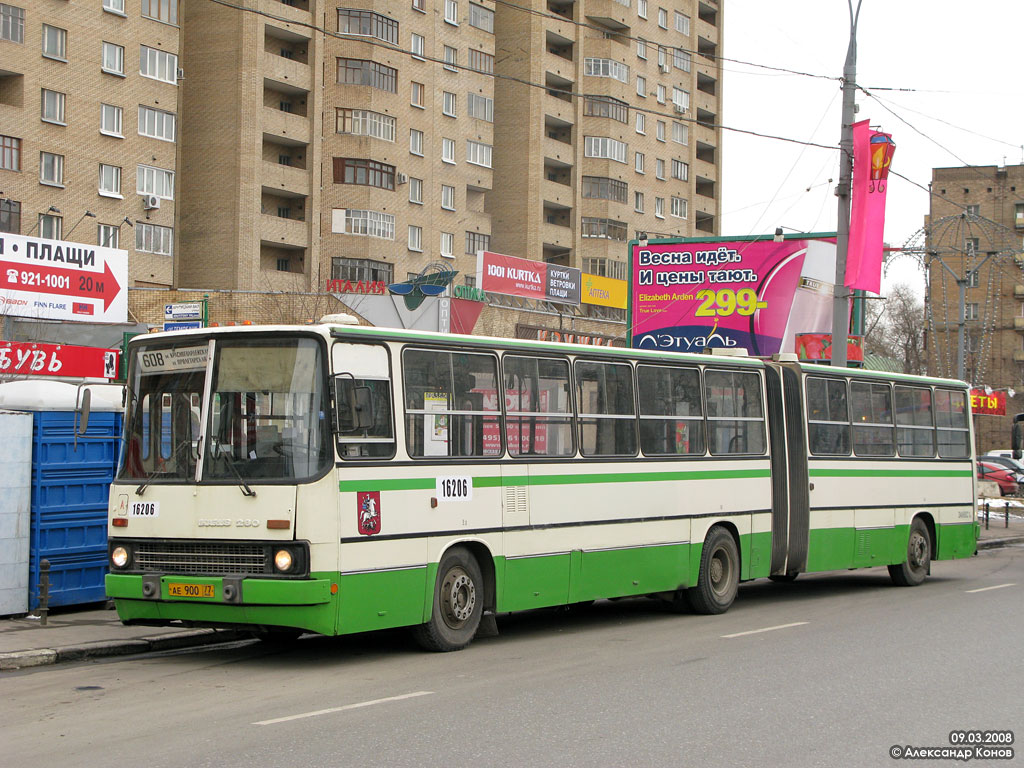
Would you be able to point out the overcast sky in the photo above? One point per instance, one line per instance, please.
(962, 62)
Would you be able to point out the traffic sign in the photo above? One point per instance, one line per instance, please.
(187, 310)
(182, 325)
(59, 280)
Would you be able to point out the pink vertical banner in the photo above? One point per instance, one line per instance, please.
(872, 155)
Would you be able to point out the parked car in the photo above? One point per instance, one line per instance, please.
(1015, 466)
(1001, 476)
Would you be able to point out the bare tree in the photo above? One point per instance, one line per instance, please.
(895, 328)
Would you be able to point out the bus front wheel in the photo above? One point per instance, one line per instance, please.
(458, 604)
(912, 571)
(719, 577)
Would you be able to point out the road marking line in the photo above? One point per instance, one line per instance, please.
(342, 709)
(766, 629)
(986, 589)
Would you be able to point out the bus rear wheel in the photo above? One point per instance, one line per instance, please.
(458, 604)
(719, 577)
(913, 570)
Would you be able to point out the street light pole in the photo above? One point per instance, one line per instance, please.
(841, 300)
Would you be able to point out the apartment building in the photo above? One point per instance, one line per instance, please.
(622, 137)
(88, 122)
(974, 236)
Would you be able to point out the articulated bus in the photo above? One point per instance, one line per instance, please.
(335, 478)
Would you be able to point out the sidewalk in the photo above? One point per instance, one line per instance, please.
(94, 631)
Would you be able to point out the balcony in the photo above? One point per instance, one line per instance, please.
(1018, 356)
(1018, 291)
(284, 180)
(706, 172)
(285, 127)
(559, 194)
(559, 150)
(611, 14)
(289, 72)
(296, 11)
(283, 233)
(705, 30)
(556, 235)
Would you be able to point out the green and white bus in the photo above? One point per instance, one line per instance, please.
(335, 478)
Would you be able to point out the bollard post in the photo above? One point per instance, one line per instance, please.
(1006, 509)
(44, 591)
(986, 514)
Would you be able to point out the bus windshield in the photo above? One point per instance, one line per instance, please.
(268, 416)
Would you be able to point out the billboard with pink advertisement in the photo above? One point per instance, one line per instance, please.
(745, 293)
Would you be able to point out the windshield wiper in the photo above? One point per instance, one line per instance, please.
(246, 490)
(174, 458)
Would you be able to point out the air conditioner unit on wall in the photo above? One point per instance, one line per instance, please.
(151, 202)
(666, 68)
(678, 109)
(401, 178)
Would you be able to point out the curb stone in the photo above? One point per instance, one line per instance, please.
(44, 656)
(1009, 541)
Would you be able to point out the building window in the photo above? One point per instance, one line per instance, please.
(418, 45)
(971, 310)
(415, 190)
(680, 133)
(158, 65)
(448, 151)
(10, 216)
(50, 227)
(641, 123)
(419, 5)
(415, 238)
(596, 67)
(55, 42)
(113, 59)
(641, 85)
(603, 147)
(974, 279)
(367, 270)
(111, 120)
(155, 181)
(480, 61)
(451, 12)
(10, 153)
(661, 94)
(663, 18)
(417, 95)
(448, 245)
(367, 24)
(12, 23)
(150, 238)
(606, 106)
(416, 142)
(161, 10)
(108, 235)
(602, 188)
(638, 202)
(369, 224)
(448, 104)
(661, 130)
(604, 228)
(480, 107)
(659, 169)
(366, 173)
(157, 124)
(110, 180)
(974, 210)
(638, 162)
(114, 6)
(680, 170)
(53, 106)
(365, 72)
(478, 153)
(51, 169)
(641, 48)
(679, 207)
(448, 197)
(680, 99)
(641, 8)
(682, 23)
(481, 18)
(659, 207)
(477, 241)
(363, 122)
(451, 58)
(681, 59)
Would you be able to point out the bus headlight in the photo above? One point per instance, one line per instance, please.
(283, 560)
(119, 557)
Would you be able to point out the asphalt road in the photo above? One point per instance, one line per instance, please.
(832, 670)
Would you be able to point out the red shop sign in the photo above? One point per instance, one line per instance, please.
(35, 359)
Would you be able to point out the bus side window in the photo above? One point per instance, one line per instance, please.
(828, 417)
(538, 411)
(872, 419)
(735, 415)
(915, 433)
(671, 417)
(952, 425)
(364, 419)
(605, 404)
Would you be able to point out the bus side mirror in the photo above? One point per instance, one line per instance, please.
(83, 411)
(1016, 435)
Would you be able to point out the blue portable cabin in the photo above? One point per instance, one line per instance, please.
(70, 485)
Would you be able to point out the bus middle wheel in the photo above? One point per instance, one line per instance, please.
(719, 577)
